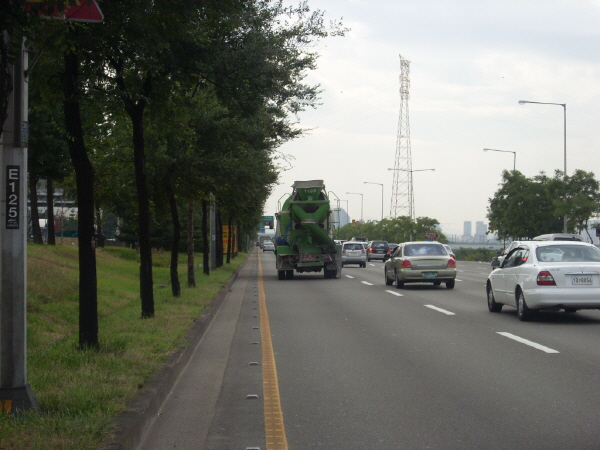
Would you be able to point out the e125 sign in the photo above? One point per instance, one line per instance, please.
(13, 184)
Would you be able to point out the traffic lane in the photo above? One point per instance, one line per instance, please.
(359, 370)
(576, 333)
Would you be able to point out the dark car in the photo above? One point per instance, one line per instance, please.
(377, 250)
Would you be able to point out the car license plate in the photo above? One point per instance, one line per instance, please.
(581, 280)
(309, 257)
(429, 275)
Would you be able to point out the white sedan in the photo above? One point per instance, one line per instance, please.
(550, 275)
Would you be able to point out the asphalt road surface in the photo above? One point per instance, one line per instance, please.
(356, 364)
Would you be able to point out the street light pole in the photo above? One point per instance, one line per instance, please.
(564, 105)
(361, 204)
(380, 184)
(504, 151)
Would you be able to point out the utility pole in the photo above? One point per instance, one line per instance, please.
(15, 392)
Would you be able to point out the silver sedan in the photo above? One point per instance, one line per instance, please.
(550, 275)
(420, 262)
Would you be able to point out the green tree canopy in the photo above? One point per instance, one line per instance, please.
(527, 207)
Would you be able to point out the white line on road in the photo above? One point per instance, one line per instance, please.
(440, 310)
(457, 279)
(527, 342)
(397, 294)
(349, 276)
(367, 283)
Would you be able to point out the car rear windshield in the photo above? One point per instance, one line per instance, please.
(424, 249)
(379, 244)
(357, 246)
(567, 253)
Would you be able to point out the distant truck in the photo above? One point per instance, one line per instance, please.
(303, 234)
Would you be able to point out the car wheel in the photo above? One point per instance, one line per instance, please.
(388, 282)
(450, 284)
(364, 265)
(523, 312)
(491, 301)
(399, 284)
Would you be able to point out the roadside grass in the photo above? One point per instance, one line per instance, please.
(81, 391)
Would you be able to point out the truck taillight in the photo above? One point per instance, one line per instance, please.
(406, 264)
(451, 263)
(545, 278)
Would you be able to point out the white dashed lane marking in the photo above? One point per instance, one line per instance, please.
(397, 294)
(441, 310)
(528, 342)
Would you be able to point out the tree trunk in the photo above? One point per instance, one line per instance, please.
(50, 212)
(190, 245)
(135, 110)
(205, 241)
(175, 286)
(84, 174)
(35, 215)
(139, 160)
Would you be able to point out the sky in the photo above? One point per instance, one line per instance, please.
(470, 64)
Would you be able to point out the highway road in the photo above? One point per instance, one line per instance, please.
(355, 364)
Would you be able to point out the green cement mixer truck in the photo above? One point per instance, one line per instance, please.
(303, 241)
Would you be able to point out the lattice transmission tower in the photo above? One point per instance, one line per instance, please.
(402, 202)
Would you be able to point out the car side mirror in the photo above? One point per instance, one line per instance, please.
(495, 262)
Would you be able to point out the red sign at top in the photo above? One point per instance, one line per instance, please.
(81, 11)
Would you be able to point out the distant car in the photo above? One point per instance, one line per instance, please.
(354, 253)
(539, 275)
(449, 250)
(420, 262)
(377, 250)
(268, 246)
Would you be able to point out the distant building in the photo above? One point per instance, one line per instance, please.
(341, 217)
(467, 237)
(480, 232)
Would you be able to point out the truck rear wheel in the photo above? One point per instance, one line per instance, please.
(281, 274)
(289, 274)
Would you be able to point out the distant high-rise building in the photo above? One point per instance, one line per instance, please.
(480, 232)
(467, 228)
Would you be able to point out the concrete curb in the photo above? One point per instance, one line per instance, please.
(130, 426)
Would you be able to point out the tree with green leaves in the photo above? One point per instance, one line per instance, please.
(398, 229)
(527, 207)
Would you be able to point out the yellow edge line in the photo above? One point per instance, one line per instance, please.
(274, 427)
